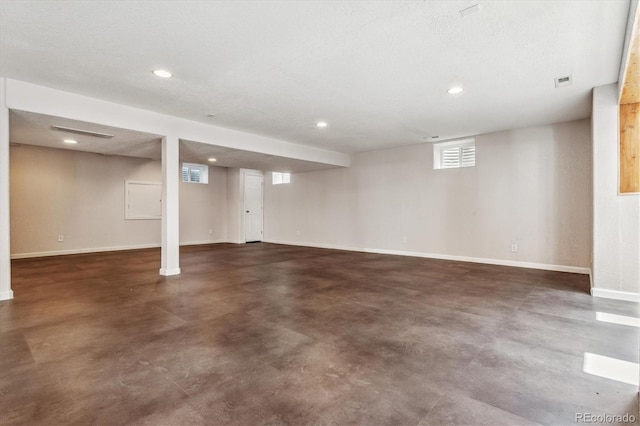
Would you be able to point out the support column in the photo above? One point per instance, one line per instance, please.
(5, 249)
(170, 254)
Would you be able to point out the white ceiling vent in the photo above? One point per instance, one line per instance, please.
(82, 131)
(566, 80)
(469, 10)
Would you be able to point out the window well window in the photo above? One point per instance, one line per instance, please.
(452, 155)
(195, 173)
(280, 178)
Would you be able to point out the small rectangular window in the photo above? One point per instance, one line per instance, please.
(452, 155)
(280, 178)
(195, 173)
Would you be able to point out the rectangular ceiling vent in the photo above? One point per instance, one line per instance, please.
(563, 81)
(469, 10)
(82, 131)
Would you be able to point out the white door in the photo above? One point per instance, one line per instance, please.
(252, 207)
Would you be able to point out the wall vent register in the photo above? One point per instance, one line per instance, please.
(563, 81)
(455, 154)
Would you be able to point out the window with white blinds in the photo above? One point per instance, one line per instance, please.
(195, 173)
(279, 178)
(452, 155)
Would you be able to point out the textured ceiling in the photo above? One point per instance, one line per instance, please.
(35, 129)
(195, 152)
(27, 128)
(376, 71)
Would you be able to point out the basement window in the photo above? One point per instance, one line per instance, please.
(195, 173)
(279, 178)
(453, 155)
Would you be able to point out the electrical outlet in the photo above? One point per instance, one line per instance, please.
(298, 232)
(404, 239)
(210, 231)
(514, 248)
(60, 238)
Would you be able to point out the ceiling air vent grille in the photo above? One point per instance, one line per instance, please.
(564, 81)
(82, 131)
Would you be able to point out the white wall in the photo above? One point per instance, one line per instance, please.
(5, 263)
(203, 209)
(234, 206)
(531, 187)
(616, 218)
(77, 194)
(81, 195)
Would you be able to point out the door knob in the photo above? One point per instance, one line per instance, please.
(247, 211)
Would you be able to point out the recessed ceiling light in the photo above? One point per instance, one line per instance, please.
(162, 73)
(70, 141)
(454, 90)
(435, 137)
(213, 160)
(211, 115)
(321, 124)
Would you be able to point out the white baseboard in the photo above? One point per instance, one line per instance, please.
(169, 272)
(615, 294)
(501, 262)
(81, 251)
(105, 249)
(202, 242)
(316, 245)
(6, 295)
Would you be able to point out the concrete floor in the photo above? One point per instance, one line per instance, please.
(271, 334)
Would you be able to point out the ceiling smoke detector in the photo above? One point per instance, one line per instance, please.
(567, 80)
